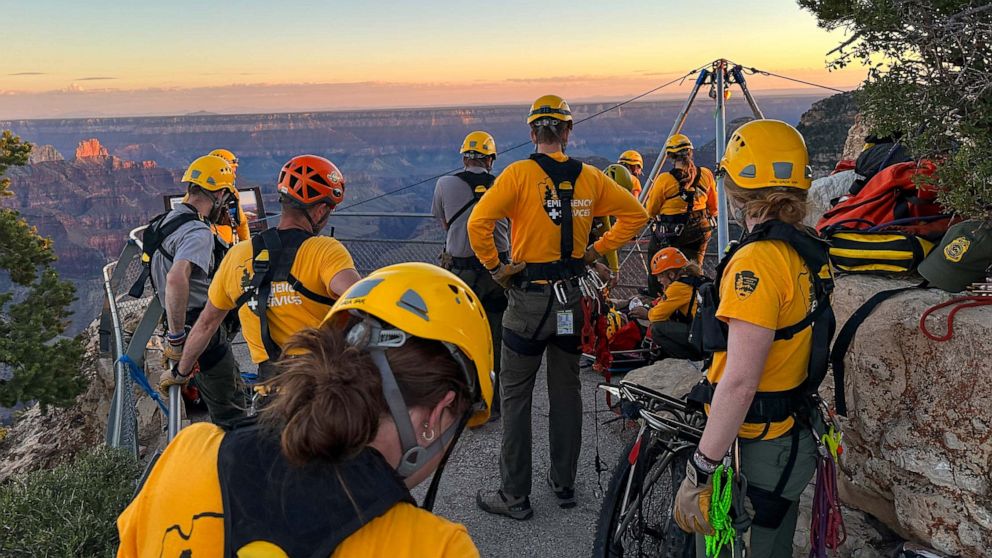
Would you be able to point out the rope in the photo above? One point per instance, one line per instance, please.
(827, 528)
(138, 375)
(723, 482)
(753, 70)
(962, 302)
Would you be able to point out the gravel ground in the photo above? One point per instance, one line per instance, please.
(552, 531)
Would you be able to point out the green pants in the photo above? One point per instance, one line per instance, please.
(530, 331)
(220, 388)
(763, 462)
(493, 299)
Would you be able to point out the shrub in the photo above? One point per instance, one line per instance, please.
(70, 510)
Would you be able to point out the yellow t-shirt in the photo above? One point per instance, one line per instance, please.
(767, 284)
(226, 232)
(637, 186)
(664, 197)
(179, 512)
(317, 262)
(677, 298)
(520, 193)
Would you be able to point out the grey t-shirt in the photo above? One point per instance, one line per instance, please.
(450, 195)
(193, 242)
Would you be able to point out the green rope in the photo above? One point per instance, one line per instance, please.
(720, 520)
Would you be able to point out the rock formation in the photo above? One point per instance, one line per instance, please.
(91, 149)
(823, 190)
(825, 127)
(44, 154)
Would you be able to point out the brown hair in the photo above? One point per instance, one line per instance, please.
(552, 134)
(329, 399)
(762, 204)
(692, 269)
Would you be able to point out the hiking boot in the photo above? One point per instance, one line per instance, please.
(565, 494)
(495, 502)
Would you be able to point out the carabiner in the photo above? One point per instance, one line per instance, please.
(560, 294)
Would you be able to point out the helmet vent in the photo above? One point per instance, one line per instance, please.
(748, 172)
(783, 171)
(363, 288)
(414, 303)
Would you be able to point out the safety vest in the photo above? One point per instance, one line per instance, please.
(304, 510)
(709, 333)
(273, 254)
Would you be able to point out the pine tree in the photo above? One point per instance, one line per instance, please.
(35, 363)
(930, 77)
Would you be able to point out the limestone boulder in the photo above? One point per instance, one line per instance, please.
(918, 435)
(823, 190)
(671, 376)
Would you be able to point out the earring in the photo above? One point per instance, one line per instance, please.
(429, 438)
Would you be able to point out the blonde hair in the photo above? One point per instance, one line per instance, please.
(784, 204)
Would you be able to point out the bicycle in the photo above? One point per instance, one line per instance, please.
(636, 517)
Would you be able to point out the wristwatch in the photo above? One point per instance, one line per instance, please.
(700, 468)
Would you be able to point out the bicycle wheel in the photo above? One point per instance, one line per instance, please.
(647, 528)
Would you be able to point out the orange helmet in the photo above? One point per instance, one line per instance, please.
(309, 179)
(667, 258)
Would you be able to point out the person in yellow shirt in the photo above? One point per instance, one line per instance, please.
(239, 223)
(634, 163)
(683, 205)
(619, 174)
(672, 314)
(769, 322)
(551, 201)
(286, 278)
(372, 403)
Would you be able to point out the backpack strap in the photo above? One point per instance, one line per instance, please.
(152, 240)
(479, 183)
(564, 175)
(273, 254)
(846, 336)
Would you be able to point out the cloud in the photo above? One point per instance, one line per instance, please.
(28, 74)
(94, 78)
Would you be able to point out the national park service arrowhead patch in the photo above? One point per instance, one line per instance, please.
(552, 203)
(745, 283)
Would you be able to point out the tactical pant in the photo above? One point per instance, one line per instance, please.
(493, 299)
(220, 387)
(530, 331)
(763, 462)
(673, 340)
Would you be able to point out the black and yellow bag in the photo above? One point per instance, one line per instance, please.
(853, 251)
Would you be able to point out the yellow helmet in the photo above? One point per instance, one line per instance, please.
(479, 144)
(765, 154)
(619, 174)
(210, 173)
(677, 144)
(425, 301)
(550, 106)
(631, 157)
(227, 155)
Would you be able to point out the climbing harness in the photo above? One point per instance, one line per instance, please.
(723, 527)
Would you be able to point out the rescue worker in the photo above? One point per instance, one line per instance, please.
(551, 201)
(302, 273)
(181, 270)
(633, 162)
(683, 205)
(366, 410)
(772, 323)
(238, 222)
(619, 174)
(454, 197)
(671, 315)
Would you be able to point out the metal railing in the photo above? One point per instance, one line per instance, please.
(127, 324)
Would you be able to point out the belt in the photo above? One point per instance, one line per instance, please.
(473, 263)
(561, 270)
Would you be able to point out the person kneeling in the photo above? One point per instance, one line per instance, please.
(671, 315)
(365, 409)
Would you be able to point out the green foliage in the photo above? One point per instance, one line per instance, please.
(44, 368)
(930, 77)
(70, 510)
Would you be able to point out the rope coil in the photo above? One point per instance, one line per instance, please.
(723, 525)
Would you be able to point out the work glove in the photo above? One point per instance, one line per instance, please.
(503, 273)
(591, 255)
(692, 501)
(172, 350)
(172, 377)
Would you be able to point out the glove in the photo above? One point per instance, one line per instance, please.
(692, 502)
(591, 255)
(172, 377)
(503, 273)
(173, 349)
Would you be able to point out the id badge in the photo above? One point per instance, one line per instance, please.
(565, 323)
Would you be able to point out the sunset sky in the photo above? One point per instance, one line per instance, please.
(106, 58)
